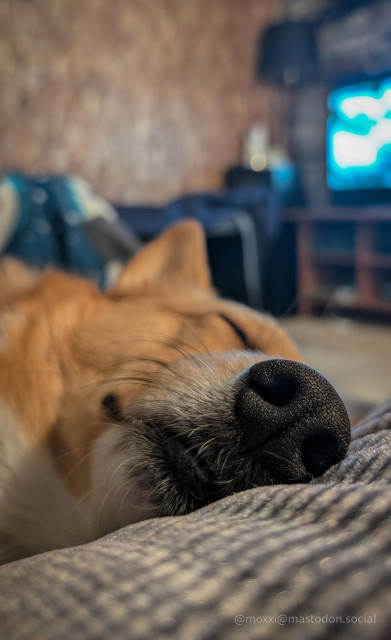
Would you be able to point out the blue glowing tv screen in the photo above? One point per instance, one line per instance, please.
(359, 136)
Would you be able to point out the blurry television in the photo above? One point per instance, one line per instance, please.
(359, 141)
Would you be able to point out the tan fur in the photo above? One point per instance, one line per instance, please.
(64, 345)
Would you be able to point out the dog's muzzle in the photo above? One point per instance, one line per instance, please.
(232, 425)
(293, 422)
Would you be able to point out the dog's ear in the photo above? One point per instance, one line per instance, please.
(15, 279)
(178, 255)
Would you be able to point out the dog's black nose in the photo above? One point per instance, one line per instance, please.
(293, 421)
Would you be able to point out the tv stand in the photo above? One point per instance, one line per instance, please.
(343, 258)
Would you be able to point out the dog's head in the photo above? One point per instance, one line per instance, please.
(157, 397)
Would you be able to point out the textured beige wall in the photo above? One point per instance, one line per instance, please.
(143, 98)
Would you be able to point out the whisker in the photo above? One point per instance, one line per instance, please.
(205, 445)
(121, 464)
(120, 379)
(275, 455)
(77, 464)
(189, 328)
(69, 453)
(193, 431)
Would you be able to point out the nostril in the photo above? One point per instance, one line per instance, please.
(320, 452)
(275, 385)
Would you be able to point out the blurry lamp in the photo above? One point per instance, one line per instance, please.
(288, 54)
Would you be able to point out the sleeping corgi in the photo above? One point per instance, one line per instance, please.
(152, 399)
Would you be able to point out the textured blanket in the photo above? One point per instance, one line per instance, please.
(296, 562)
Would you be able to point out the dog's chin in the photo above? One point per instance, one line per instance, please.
(185, 480)
(181, 474)
(175, 479)
(151, 470)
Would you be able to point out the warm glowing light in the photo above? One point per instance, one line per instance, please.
(258, 161)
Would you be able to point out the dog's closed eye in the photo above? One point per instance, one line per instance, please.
(112, 408)
(238, 332)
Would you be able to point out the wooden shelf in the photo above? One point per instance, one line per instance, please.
(374, 306)
(343, 214)
(379, 261)
(337, 259)
(320, 272)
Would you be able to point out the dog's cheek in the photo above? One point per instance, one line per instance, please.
(116, 497)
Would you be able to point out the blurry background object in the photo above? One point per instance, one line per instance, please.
(289, 54)
(256, 147)
(288, 59)
(59, 221)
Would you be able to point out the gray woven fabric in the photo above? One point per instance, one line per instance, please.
(297, 562)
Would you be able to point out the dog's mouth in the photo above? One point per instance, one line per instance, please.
(182, 472)
(187, 457)
(189, 462)
(189, 470)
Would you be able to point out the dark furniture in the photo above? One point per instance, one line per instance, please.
(343, 258)
(241, 227)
